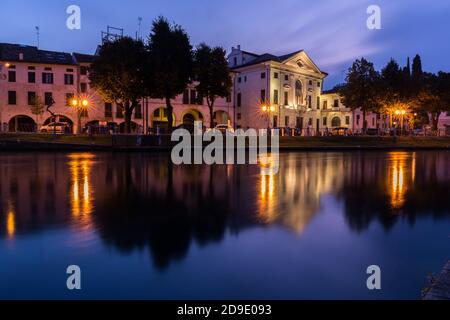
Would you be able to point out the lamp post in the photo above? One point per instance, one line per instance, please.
(401, 113)
(81, 105)
(268, 110)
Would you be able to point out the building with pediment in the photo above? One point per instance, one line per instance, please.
(284, 91)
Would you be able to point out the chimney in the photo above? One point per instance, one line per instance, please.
(21, 56)
(239, 47)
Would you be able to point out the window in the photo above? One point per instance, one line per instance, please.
(318, 84)
(83, 87)
(245, 78)
(286, 98)
(228, 97)
(31, 98)
(69, 98)
(358, 117)
(31, 77)
(186, 96)
(11, 76)
(119, 111)
(138, 112)
(325, 105)
(235, 61)
(108, 110)
(275, 96)
(275, 121)
(373, 122)
(309, 102)
(47, 78)
(83, 70)
(48, 98)
(68, 79)
(347, 120)
(336, 103)
(298, 92)
(310, 82)
(239, 116)
(299, 122)
(12, 98)
(263, 75)
(318, 103)
(286, 121)
(239, 99)
(239, 79)
(193, 97)
(286, 77)
(263, 95)
(275, 75)
(336, 122)
(324, 122)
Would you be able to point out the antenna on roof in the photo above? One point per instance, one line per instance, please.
(112, 34)
(37, 36)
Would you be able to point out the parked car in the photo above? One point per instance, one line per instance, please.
(55, 127)
(339, 131)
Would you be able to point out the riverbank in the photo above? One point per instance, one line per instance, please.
(33, 142)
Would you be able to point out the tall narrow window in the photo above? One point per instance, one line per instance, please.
(12, 97)
(68, 79)
(48, 98)
(239, 99)
(286, 98)
(31, 77)
(83, 87)
(263, 95)
(11, 76)
(47, 78)
(31, 98)
(275, 96)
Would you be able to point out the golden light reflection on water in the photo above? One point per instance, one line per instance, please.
(82, 192)
(401, 174)
(11, 222)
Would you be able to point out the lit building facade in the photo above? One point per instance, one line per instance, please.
(27, 72)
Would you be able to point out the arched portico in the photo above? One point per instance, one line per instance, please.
(22, 123)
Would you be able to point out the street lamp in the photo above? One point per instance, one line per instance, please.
(267, 109)
(81, 105)
(401, 113)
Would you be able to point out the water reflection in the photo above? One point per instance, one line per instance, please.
(141, 201)
(82, 195)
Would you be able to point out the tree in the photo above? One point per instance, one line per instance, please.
(434, 95)
(213, 74)
(37, 107)
(392, 89)
(118, 74)
(360, 90)
(416, 75)
(171, 62)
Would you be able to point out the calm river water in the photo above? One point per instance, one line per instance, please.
(139, 227)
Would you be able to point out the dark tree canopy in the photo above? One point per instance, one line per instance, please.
(118, 74)
(213, 75)
(360, 90)
(171, 62)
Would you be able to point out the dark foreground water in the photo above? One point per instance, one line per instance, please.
(141, 228)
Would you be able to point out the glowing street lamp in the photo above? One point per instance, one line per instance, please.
(81, 105)
(267, 109)
(401, 113)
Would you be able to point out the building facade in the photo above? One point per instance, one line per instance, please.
(28, 73)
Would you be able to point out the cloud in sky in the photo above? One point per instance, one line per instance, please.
(333, 32)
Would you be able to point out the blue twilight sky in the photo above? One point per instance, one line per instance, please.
(333, 32)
